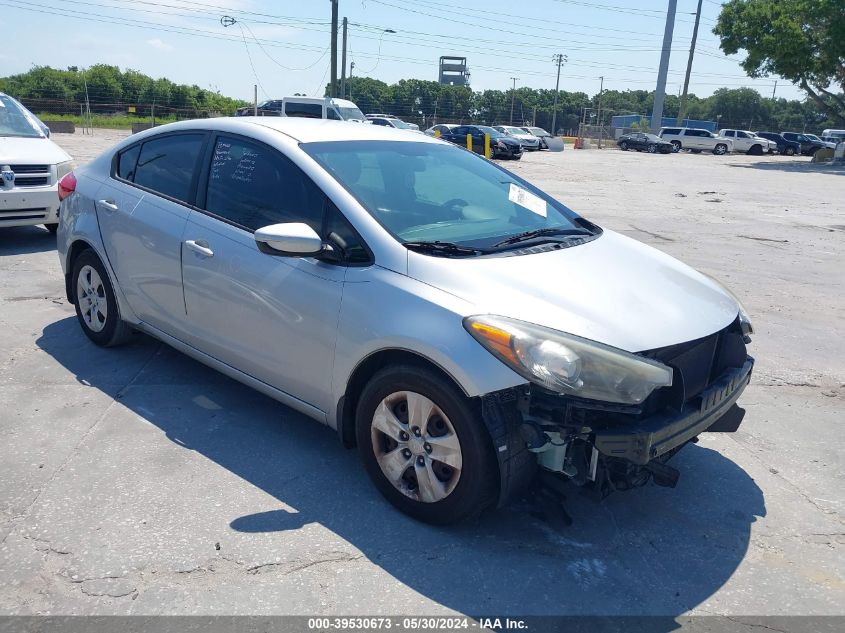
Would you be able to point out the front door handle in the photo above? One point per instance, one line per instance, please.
(200, 246)
(107, 205)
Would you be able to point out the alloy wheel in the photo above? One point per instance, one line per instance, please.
(416, 446)
(91, 296)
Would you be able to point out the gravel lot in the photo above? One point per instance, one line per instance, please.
(137, 481)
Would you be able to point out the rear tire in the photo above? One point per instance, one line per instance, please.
(623, 146)
(720, 149)
(397, 402)
(95, 303)
(53, 228)
(676, 145)
(789, 151)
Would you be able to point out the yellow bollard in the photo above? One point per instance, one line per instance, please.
(436, 133)
(469, 142)
(487, 146)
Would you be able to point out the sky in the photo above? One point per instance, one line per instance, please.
(283, 45)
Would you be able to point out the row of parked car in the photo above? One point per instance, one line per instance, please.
(506, 141)
(697, 140)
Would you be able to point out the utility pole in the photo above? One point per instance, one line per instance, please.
(343, 62)
(559, 58)
(660, 91)
(513, 96)
(774, 89)
(333, 89)
(598, 117)
(682, 109)
(254, 99)
(351, 68)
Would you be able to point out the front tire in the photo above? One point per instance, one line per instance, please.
(424, 446)
(96, 306)
(676, 146)
(652, 148)
(623, 146)
(53, 228)
(789, 151)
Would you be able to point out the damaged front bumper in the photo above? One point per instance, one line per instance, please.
(658, 434)
(603, 446)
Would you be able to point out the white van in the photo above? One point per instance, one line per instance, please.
(307, 107)
(833, 136)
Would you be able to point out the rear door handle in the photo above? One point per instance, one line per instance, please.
(107, 205)
(200, 246)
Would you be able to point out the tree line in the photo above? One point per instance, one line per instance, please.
(111, 90)
(425, 102)
(61, 92)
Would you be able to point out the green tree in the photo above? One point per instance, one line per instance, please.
(800, 40)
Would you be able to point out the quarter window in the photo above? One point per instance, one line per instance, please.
(167, 164)
(126, 163)
(253, 185)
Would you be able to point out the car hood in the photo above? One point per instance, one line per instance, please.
(613, 289)
(30, 151)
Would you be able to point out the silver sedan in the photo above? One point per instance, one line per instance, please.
(461, 327)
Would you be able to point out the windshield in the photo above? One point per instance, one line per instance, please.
(401, 124)
(652, 137)
(436, 192)
(515, 131)
(538, 131)
(15, 120)
(347, 114)
(813, 137)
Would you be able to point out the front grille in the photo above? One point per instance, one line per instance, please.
(31, 175)
(698, 364)
(30, 169)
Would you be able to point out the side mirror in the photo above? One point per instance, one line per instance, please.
(293, 239)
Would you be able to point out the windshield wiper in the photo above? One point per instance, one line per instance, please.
(447, 248)
(530, 235)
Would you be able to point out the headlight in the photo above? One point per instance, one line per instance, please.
(569, 364)
(62, 169)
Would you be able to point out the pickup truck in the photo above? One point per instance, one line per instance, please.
(696, 140)
(749, 142)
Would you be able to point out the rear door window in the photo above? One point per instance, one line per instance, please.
(252, 185)
(167, 165)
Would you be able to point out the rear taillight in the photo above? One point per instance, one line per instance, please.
(67, 185)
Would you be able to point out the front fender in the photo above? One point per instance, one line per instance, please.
(384, 310)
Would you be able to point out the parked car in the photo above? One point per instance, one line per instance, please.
(541, 134)
(810, 143)
(695, 140)
(528, 141)
(260, 248)
(501, 145)
(307, 107)
(641, 141)
(748, 142)
(31, 165)
(783, 147)
(399, 124)
(443, 128)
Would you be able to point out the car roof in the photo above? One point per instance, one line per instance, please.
(300, 129)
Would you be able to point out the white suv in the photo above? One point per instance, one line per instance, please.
(696, 140)
(749, 142)
(31, 165)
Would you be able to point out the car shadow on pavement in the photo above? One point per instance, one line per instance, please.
(24, 240)
(795, 166)
(648, 552)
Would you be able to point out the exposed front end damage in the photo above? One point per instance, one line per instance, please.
(606, 447)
